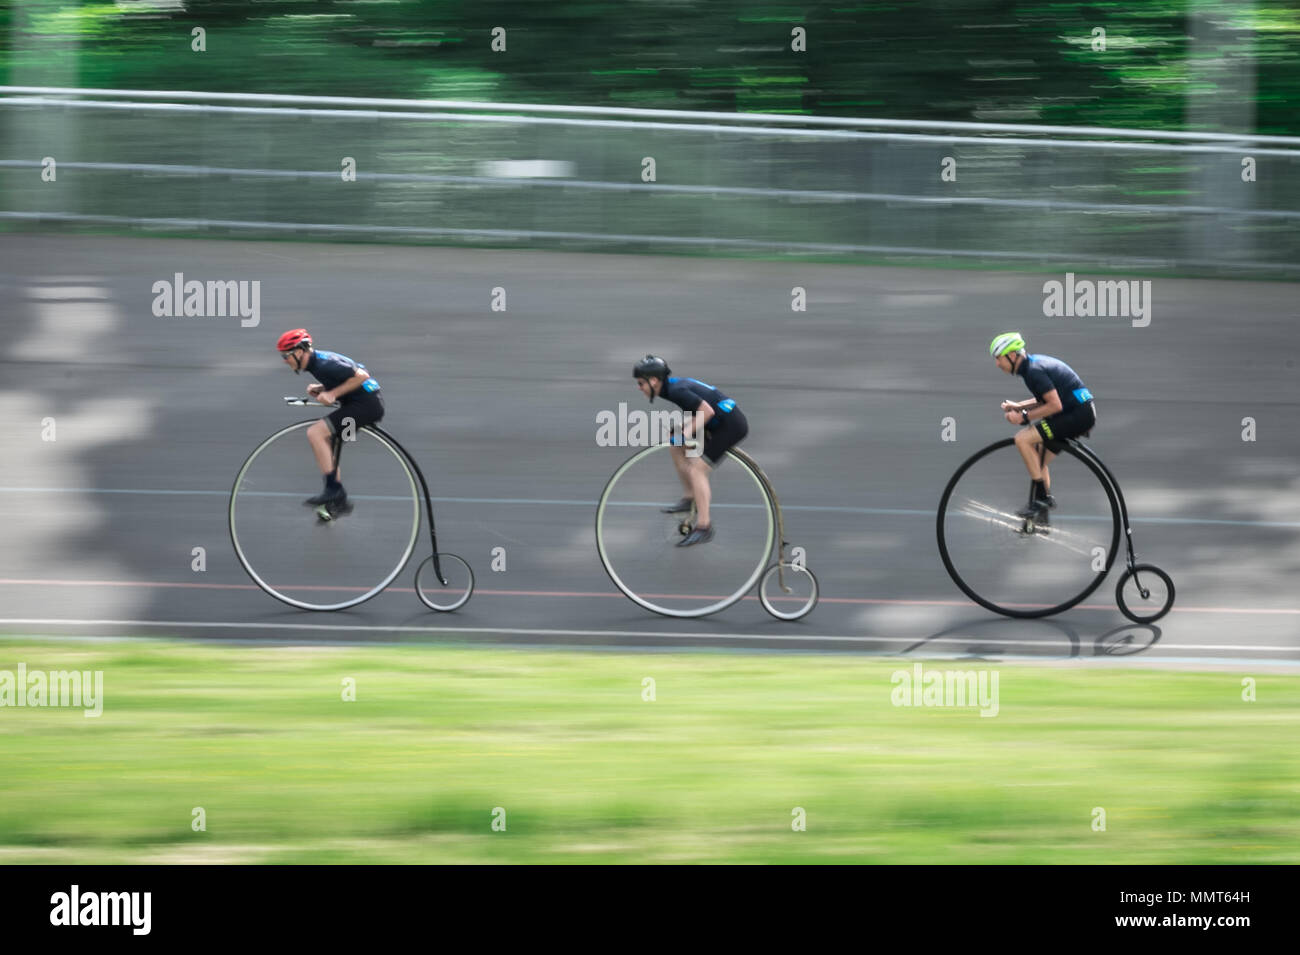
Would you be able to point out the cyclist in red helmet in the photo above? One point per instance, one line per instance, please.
(342, 380)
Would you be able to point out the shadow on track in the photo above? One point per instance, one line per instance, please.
(1124, 640)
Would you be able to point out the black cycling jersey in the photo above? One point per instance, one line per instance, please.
(688, 394)
(1043, 373)
(332, 369)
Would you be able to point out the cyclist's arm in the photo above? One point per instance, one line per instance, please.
(352, 384)
(700, 416)
(1017, 405)
(1050, 405)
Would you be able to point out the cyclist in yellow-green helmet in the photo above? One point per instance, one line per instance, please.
(1062, 407)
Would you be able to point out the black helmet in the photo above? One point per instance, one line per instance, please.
(651, 366)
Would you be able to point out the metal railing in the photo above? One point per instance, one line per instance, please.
(568, 176)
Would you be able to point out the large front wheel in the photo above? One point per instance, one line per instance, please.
(638, 543)
(313, 563)
(1027, 566)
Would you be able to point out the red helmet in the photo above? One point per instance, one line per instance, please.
(293, 339)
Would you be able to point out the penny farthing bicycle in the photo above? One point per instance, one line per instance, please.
(1037, 566)
(637, 542)
(331, 559)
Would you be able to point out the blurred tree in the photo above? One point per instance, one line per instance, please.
(1012, 60)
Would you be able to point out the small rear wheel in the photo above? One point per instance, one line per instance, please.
(1145, 593)
(799, 595)
(437, 596)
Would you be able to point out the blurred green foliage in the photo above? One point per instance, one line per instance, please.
(1027, 61)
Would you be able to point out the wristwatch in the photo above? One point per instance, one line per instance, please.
(1024, 416)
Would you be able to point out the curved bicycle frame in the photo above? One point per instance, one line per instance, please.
(1118, 496)
(1109, 485)
(776, 507)
(424, 487)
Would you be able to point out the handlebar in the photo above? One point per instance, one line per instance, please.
(298, 401)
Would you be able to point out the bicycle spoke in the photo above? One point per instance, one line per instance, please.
(1053, 534)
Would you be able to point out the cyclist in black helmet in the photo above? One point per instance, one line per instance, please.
(1062, 407)
(724, 426)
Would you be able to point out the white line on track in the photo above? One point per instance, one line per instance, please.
(531, 632)
(612, 595)
(836, 508)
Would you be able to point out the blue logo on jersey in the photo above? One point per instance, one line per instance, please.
(370, 385)
(726, 405)
(1082, 394)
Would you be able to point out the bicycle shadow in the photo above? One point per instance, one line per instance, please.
(1124, 640)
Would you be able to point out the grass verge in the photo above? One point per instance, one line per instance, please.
(586, 770)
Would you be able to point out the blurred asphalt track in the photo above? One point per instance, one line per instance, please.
(845, 401)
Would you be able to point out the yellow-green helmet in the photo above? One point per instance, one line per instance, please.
(1005, 343)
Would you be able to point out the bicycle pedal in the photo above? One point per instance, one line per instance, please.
(331, 512)
(1029, 526)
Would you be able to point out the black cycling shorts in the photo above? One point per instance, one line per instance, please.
(366, 408)
(1075, 423)
(731, 427)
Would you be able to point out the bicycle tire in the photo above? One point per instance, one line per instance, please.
(1027, 612)
(803, 611)
(724, 603)
(1128, 611)
(453, 604)
(303, 604)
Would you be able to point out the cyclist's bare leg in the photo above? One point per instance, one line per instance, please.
(1029, 444)
(1047, 477)
(683, 465)
(322, 446)
(699, 472)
